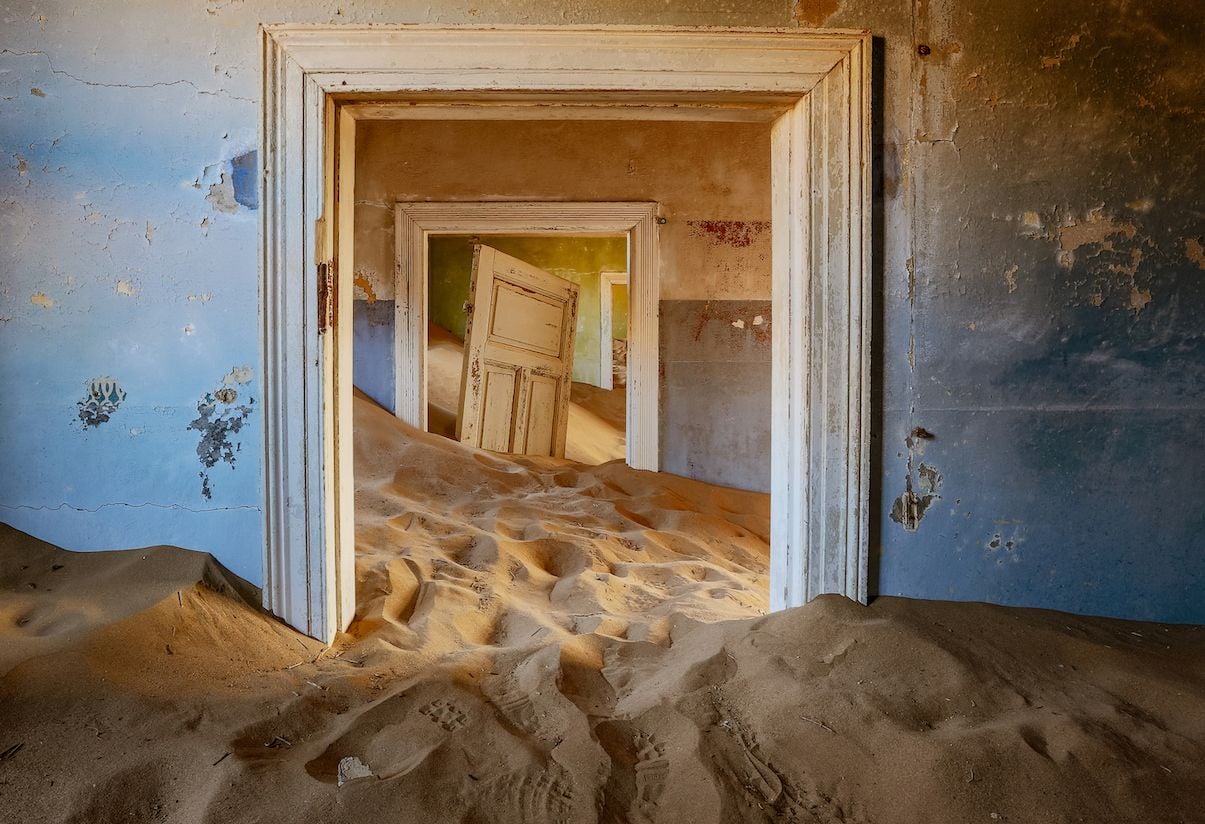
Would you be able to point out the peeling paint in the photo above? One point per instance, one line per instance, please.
(1194, 250)
(736, 233)
(1064, 51)
(365, 286)
(919, 494)
(101, 399)
(126, 288)
(238, 375)
(814, 13)
(1010, 277)
(221, 195)
(42, 299)
(1095, 229)
(218, 420)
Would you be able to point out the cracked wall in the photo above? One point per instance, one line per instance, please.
(1039, 257)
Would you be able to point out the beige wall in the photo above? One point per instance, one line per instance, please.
(711, 179)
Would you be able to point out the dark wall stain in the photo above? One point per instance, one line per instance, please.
(244, 174)
(738, 233)
(218, 420)
(813, 13)
(103, 397)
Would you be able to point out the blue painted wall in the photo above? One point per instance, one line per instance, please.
(1040, 272)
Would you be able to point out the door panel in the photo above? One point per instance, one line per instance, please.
(499, 404)
(539, 422)
(526, 321)
(518, 357)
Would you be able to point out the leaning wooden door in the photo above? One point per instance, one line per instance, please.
(518, 357)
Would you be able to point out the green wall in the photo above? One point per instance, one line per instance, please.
(619, 312)
(578, 259)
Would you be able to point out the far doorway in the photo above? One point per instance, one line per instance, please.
(527, 344)
(581, 240)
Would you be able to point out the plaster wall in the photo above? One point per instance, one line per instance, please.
(1039, 272)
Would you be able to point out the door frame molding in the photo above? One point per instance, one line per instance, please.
(813, 85)
(415, 222)
(606, 325)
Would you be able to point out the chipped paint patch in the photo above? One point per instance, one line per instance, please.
(126, 288)
(1095, 229)
(922, 492)
(238, 375)
(221, 195)
(42, 299)
(204, 297)
(1194, 250)
(814, 13)
(364, 286)
(737, 233)
(36, 92)
(1010, 278)
(218, 421)
(1064, 51)
(101, 399)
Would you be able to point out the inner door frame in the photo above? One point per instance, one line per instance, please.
(813, 85)
(606, 324)
(415, 222)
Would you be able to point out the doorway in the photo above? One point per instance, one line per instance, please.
(419, 224)
(813, 86)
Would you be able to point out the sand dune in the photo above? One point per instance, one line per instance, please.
(538, 642)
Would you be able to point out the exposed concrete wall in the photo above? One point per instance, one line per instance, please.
(712, 182)
(1039, 268)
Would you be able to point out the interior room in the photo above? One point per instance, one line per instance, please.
(764, 412)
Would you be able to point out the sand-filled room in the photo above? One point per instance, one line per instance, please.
(708, 412)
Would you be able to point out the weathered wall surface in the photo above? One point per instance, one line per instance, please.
(1040, 265)
(1040, 361)
(712, 182)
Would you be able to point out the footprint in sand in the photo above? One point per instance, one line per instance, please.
(445, 714)
(532, 797)
(651, 769)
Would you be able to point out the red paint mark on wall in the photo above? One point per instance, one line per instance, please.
(738, 233)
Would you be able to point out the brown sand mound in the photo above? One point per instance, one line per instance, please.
(563, 692)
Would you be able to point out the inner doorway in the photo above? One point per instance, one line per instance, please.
(555, 396)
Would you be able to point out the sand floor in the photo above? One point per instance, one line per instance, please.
(539, 641)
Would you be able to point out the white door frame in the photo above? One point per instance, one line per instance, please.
(606, 326)
(414, 223)
(814, 86)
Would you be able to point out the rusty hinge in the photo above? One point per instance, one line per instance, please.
(328, 297)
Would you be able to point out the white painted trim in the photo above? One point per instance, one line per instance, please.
(415, 222)
(606, 326)
(816, 83)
